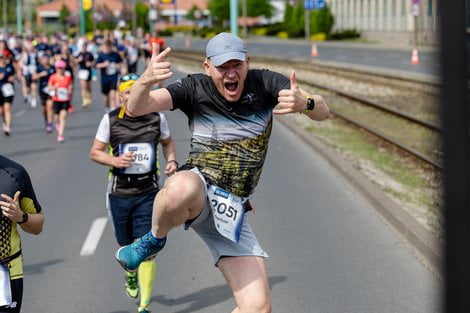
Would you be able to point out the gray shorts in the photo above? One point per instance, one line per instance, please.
(220, 246)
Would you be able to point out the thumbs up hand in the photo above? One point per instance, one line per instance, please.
(290, 100)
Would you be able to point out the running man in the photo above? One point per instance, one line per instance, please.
(61, 86)
(43, 72)
(109, 62)
(19, 206)
(7, 92)
(85, 62)
(133, 179)
(230, 110)
(29, 63)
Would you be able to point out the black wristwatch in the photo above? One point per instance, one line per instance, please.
(174, 161)
(310, 104)
(25, 218)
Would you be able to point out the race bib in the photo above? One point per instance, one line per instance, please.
(62, 94)
(143, 157)
(8, 90)
(31, 69)
(227, 211)
(83, 74)
(5, 288)
(111, 69)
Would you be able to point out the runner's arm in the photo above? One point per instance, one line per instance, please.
(169, 152)
(99, 155)
(295, 100)
(34, 224)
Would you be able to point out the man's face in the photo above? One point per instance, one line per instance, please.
(229, 78)
(124, 95)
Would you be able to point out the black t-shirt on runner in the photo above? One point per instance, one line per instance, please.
(229, 140)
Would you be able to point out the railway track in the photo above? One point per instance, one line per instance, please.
(388, 112)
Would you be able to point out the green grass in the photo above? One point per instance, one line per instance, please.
(406, 182)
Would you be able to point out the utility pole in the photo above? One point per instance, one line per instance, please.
(82, 18)
(134, 20)
(5, 22)
(19, 17)
(307, 24)
(234, 17)
(244, 12)
(153, 15)
(29, 16)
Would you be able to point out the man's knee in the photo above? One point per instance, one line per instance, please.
(184, 190)
(256, 304)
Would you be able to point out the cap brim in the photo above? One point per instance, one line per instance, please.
(221, 59)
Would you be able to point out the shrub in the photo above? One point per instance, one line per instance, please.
(273, 29)
(345, 34)
(318, 37)
(283, 35)
(165, 32)
(262, 31)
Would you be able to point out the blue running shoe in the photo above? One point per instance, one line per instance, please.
(132, 255)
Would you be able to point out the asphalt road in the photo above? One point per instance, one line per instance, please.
(368, 55)
(329, 250)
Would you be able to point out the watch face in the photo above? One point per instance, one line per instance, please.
(310, 104)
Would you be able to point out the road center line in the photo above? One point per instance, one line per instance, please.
(94, 235)
(20, 113)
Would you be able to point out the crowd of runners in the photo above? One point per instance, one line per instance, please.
(45, 68)
(230, 110)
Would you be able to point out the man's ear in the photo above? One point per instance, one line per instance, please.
(248, 59)
(207, 67)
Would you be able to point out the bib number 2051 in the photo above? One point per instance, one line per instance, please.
(227, 212)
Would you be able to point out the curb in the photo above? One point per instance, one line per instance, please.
(414, 233)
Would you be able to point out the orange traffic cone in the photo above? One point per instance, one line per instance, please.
(414, 57)
(314, 51)
(187, 42)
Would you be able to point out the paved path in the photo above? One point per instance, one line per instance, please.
(329, 250)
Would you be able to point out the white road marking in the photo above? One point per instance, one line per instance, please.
(94, 235)
(20, 113)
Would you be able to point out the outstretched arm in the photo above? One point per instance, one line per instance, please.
(141, 100)
(295, 100)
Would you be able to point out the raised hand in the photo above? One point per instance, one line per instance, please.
(11, 207)
(291, 100)
(158, 69)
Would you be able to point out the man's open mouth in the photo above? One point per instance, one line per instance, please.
(232, 86)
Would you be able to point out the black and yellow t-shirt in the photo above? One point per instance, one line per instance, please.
(229, 140)
(13, 178)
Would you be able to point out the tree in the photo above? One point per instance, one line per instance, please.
(258, 8)
(142, 13)
(63, 16)
(191, 16)
(220, 9)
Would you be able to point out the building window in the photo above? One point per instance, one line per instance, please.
(385, 8)
(404, 6)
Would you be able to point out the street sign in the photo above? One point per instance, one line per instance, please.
(415, 7)
(153, 15)
(87, 4)
(314, 4)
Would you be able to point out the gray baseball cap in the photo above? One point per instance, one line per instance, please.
(225, 47)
